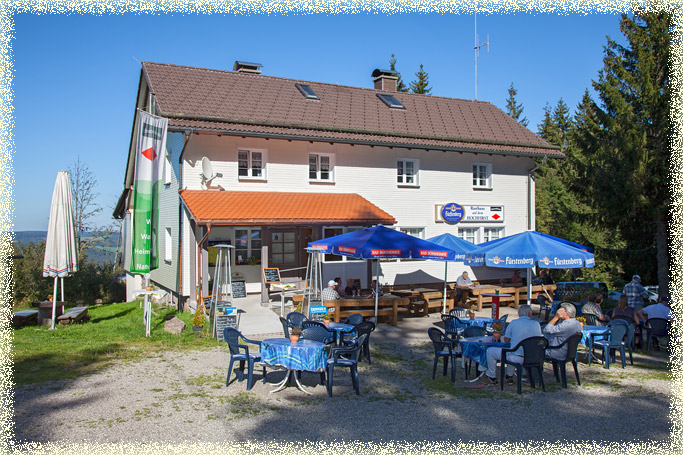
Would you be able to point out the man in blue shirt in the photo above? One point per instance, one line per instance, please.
(635, 292)
(519, 329)
(464, 284)
(559, 328)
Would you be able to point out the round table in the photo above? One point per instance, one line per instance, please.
(304, 355)
(339, 328)
(474, 348)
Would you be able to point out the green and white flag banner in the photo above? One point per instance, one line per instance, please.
(149, 153)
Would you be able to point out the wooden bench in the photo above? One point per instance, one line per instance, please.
(26, 317)
(75, 314)
(388, 307)
(434, 301)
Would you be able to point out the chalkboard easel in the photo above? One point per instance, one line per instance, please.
(271, 275)
(225, 316)
(238, 290)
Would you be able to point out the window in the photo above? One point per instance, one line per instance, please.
(283, 247)
(307, 91)
(321, 167)
(331, 232)
(168, 246)
(407, 172)
(251, 164)
(247, 246)
(469, 234)
(390, 101)
(415, 232)
(481, 175)
(492, 234)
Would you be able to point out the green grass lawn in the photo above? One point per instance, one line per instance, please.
(115, 332)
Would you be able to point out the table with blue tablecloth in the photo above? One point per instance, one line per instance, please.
(589, 333)
(475, 348)
(304, 355)
(479, 321)
(339, 328)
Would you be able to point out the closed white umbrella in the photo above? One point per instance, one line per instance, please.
(61, 254)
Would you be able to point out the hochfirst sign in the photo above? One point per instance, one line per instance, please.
(470, 213)
(452, 213)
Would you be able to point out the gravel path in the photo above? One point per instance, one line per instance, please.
(176, 397)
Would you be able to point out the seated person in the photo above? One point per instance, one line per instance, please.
(660, 309)
(517, 279)
(338, 287)
(545, 278)
(376, 288)
(516, 331)
(592, 306)
(559, 328)
(330, 293)
(463, 286)
(350, 289)
(623, 309)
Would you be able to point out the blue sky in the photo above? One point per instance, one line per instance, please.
(76, 76)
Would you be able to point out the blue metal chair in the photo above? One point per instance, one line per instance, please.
(534, 354)
(443, 348)
(350, 360)
(615, 339)
(572, 344)
(232, 337)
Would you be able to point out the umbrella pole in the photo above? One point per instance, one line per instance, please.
(528, 285)
(54, 303)
(376, 290)
(445, 281)
(62, 295)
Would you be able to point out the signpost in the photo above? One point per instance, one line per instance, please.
(225, 316)
(318, 313)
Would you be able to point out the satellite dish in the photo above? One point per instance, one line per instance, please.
(207, 169)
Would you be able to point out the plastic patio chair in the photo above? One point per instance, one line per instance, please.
(232, 337)
(364, 328)
(285, 326)
(349, 360)
(459, 312)
(534, 354)
(295, 319)
(317, 332)
(502, 321)
(443, 348)
(354, 319)
(453, 326)
(657, 328)
(591, 319)
(572, 344)
(543, 305)
(615, 339)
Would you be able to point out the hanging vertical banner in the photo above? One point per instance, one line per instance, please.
(151, 146)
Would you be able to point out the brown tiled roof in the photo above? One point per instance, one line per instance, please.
(253, 104)
(256, 208)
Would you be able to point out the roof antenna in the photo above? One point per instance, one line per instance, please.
(476, 52)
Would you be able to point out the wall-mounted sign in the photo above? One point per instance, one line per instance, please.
(452, 213)
(474, 213)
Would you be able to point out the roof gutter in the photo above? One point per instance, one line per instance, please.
(200, 301)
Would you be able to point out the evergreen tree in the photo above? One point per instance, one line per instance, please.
(563, 121)
(400, 86)
(421, 85)
(623, 154)
(515, 109)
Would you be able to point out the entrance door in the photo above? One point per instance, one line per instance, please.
(283, 249)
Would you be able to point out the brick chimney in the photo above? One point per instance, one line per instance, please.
(246, 67)
(385, 80)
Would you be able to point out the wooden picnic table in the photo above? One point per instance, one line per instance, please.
(516, 293)
(25, 317)
(388, 305)
(75, 314)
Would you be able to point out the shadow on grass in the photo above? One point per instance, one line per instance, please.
(112, 316)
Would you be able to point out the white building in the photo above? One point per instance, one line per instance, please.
(297, 161)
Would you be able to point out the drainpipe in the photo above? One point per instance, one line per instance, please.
(179, 275)
(528, 221)
(199, 266)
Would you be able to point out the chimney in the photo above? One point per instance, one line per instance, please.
(385, 80)
(246, 67)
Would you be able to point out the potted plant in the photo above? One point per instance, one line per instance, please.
(497, 328)
(471, 311)
(198, 320)
(327, 318)
(294, 334)
(581, 320)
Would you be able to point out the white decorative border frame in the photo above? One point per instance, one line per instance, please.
(99, 7)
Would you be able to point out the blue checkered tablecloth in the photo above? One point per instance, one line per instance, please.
(307, 355)
(475, 348)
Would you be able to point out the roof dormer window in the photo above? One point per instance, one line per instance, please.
(307, 91)
(390, 101)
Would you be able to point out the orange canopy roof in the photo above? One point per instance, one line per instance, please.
(258, 208)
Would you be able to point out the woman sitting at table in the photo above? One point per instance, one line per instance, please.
(517, 279)
(593, 307)
(340, 290)
(350, 290)
(623, 309)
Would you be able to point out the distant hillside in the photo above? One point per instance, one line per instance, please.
(103, 250)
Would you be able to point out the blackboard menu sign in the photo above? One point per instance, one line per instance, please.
(208, 301)
(272, 275)
(239, 289)
(226, 316)
(318, 313)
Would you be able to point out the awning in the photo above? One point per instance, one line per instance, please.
(271, 208)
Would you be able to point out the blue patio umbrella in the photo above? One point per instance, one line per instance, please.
(379, 242)
(461, 248)
(527, 249)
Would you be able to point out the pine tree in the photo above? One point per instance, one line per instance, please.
(515, 109)
(400, 86)
(623, 154)
(421, 85)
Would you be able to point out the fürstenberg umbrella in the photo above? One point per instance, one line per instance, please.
(460, 246)
(61, 255)
(526, 249)
(381, 242)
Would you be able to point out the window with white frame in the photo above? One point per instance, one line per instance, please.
(469, 234)
(247, 246)
(418, 232)
(251, 164)
(321, 167)
(481, 175)
(493, 233)
(168, 245)
(407, 172)
(331, 232)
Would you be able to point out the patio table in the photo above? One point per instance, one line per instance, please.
(339, 328)
(475, 348)
(304, 355)
(591, 332)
